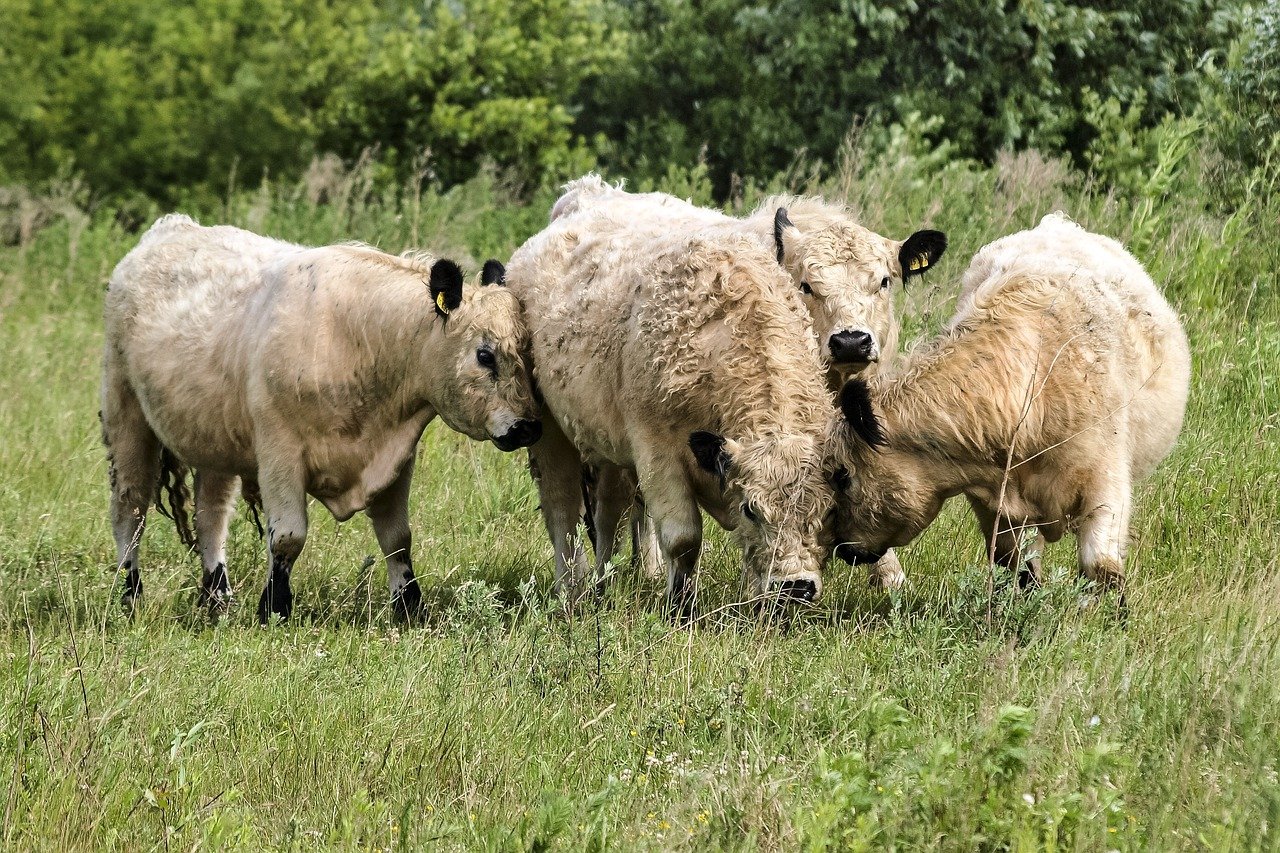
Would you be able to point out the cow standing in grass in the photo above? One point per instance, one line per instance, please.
(1061, 381)
(298, 371)
(688, 360)
(842, 270)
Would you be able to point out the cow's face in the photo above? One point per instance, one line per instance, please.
(775, 491)
(488, 392)
(845, 274)
(884, 497)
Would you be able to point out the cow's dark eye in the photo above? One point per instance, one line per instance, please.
(884, 283)
(840, 479)
(806, 289)
(749, 511)
(486, 359)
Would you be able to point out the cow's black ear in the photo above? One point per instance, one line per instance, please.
(781, 222)
(920, 251)
(446, 286)
(855, 402)
(493, 273)
(708, 449)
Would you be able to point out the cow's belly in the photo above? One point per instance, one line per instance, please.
(204, 428)
(346, 474)
(594, 425)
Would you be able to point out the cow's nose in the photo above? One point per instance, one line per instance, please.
(800, 589)
(522, 434)
(852, 346)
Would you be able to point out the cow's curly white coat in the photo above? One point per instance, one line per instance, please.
(1061, 381)
(640, 338)
(840, 269)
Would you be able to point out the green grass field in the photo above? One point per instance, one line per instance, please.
(934, 717)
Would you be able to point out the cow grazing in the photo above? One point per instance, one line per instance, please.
(1061, 381)
(687, 360)
(842, 271)
(297, 371)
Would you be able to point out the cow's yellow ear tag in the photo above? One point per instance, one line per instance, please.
(919, 262)
(440, 302)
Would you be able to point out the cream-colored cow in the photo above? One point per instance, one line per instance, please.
(1061, 381)
(843, 271)
(647, 346)
(299, 371)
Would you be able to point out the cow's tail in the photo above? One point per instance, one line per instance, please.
(252, 495)
(175, 491)
(588, 502)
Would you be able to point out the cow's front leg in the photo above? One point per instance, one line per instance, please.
(284, 498)
(887, 573)
(559, 477)
(215, 497)
(1006, 544)
(673, 508)
(1102, 537)
(389, 514)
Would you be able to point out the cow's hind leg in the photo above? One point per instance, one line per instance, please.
(133, 454)
(559, 479)
(1006, 544)
(284, 498)
(389, 514)
(215, 498)
(613, 491)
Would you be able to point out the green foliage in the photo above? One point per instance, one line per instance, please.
(171, 100)
(149, 97)
(155, 98)
(481, 79)
(746, 87)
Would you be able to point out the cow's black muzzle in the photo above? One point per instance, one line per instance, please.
(522, 434)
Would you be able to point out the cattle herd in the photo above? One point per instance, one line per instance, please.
(657, 359)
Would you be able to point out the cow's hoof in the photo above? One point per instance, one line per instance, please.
(131, 598)
(681, 611)
(407, 607)
(215, 591)
(276, 599)
(800, 589)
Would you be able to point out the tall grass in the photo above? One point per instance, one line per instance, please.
(873, 721)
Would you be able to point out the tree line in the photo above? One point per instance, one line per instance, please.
(164, 100)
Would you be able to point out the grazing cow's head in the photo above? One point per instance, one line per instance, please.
(775, 490)
(487, 391)
(845, 274)
(884, 496)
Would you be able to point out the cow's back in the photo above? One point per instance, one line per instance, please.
(1111, 348)
(646, 331)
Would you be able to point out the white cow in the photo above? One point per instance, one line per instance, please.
(299, 371)
(843, 272)
(1060, 382)
(647, 346)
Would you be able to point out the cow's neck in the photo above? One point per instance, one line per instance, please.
(965, 398)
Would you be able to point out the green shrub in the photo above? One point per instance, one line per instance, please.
(752, 85)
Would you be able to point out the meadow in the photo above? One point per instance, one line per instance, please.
(955, 714)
